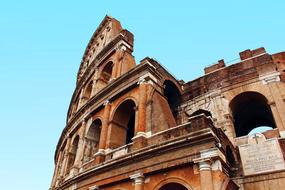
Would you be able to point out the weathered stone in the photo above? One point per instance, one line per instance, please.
(136, 127)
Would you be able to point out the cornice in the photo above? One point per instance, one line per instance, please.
(205, 135)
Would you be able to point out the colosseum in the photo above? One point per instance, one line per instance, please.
(136, 127)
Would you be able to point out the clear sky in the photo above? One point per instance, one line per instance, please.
(42, 43)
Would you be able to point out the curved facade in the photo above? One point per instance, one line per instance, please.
(134, 126)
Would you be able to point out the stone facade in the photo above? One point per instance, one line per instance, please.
(135, 127)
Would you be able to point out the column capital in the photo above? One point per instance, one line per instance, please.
(138, 178)
(106, 102)
(205, 165)
(100, 152)
(123, 46)
(141, 81)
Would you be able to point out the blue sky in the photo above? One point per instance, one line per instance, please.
(42, 43)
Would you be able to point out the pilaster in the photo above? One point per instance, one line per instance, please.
(138, 180)
(81, 99)
(271, 79)
(95, 78)
(206, 161)
(206, 180)
(66, 157)
(104, 132)
(142, 105)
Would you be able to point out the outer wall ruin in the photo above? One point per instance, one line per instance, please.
(134, 126)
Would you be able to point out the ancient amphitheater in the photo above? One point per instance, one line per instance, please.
(134, 126)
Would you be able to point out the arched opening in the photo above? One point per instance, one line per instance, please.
(250, 110)
(88, 90)
(106, 74)
(201, 111)
(173, 186)
(123, 124)
(92, 139)
(173, 97)
(73, 152)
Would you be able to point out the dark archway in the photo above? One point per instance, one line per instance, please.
(123, 124)
(173, 186)
(92, 139)
(201, 111)
(250, 110)
(88, 90)
(131, 128)
(173, 96)
(106, 74)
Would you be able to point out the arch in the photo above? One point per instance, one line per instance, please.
(250, 110)
(73, 152)
(173, 183)
(174, 82)
(173, 96)
(123, 124)
(92, 139)
(122, 100)
(88, 90)
(106, 74)
(201, 111)
(173, 186)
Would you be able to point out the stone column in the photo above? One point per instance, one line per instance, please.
(142, 106)
(58, 166)
(64, 163)
(95, 78)
(104, 132)
(271, 79)
(206, 180)
(79, 153)
(66, 157)
(114, 70)
(84, 139)
(85, 150)
(140, 139)
(276, 116)
(81, 99)
(75, 168)
(277, 107)
(139, 181)
(121, 49)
